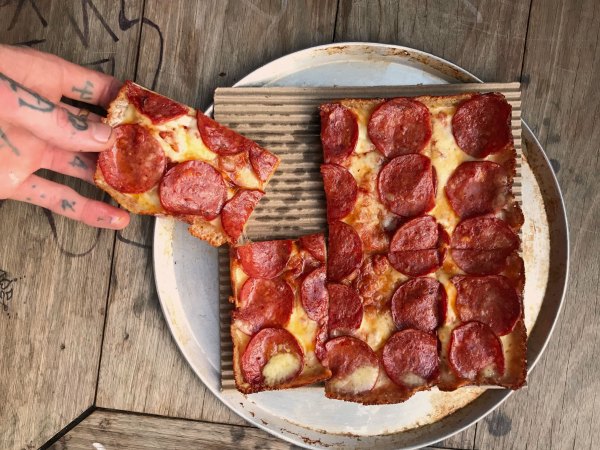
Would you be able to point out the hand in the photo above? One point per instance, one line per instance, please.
(38, 131)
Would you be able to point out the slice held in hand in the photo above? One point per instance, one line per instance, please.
(280, 319)
(173, 161)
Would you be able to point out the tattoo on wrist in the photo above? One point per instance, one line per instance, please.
(85, 92)
(4, 142)
(66, 204)
(79, 163)
(27, 97)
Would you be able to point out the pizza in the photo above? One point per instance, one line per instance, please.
(279, 324)
(171, 160)
(424, 276)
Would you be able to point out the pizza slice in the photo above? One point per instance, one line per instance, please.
(424, 277)
(280, 319)
(171, 160)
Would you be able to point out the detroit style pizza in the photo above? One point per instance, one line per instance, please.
(171, 160)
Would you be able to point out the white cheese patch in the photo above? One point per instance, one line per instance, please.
(302, 328)
(361, 380)
(376, 327)
(413, 380)
(280, 368)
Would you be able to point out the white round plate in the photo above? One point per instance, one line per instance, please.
(186, 273)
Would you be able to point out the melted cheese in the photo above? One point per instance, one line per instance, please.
(361, 380)
(302, 328)
(376, 327)
(281, 367)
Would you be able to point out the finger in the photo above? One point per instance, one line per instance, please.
(52, 76)
(66, 202)
(49, 121)
(81, 112)
(80, 165)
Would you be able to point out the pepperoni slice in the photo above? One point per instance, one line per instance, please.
(345, 308)
(416, 248)
(193, 187)
(400, 126)
(406, 185)
(264, 303)
(219, 138)
(481, 245)
(158, 108)
(477, 187)
(237, 211)
(313, 294)
(490, 300)
(475, 351)
(419, 303)
(263, 162)
(348, 356)
(315, 245)
(320, 342)
(481, 124)
(340, 191)
(339, 132)
(264, 259)
(265, 345)
(345, 251)
(135, 163)
(410, 358)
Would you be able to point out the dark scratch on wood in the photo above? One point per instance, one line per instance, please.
(98, 65)
(84, 35)
(52, 223)
(30, 43)
(6, 289)
(123, 239)
(18, 10)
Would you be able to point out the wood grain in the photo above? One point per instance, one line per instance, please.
(117, 430)
(141, 368)
(559, 409)
(485, 37)
(51, 328)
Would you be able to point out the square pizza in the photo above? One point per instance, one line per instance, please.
(172, 160)
(279, 324)
(424, 276)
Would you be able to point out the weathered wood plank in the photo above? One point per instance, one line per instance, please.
(204, 44)
(485, 37)
(116, 430)
(560, 407)
(51, 328)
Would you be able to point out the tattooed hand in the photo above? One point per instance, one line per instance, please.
(38, 131)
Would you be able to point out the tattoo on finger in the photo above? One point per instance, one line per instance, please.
(79, 122)
(85, 92)
(78, 163)
(27, 97)
(66, 204)
(4, 142)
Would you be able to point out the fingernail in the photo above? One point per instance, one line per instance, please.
(101, 132)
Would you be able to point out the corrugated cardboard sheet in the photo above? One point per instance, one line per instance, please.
(286, 121)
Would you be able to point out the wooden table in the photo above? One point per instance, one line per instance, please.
(86, 357)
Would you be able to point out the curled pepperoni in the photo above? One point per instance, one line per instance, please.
(345, 308)
(262, 347)
(410, 358)
(339, 132)
(417, 247)
(340, 191)
(264, 259)
(237, 211)
(473, 348)
(345, 357)
(490, 300)
(419, 303)
(158, 108)
(406, 185)
(400, 126)
(315, 245)
(477, 187)
(193, 187)
(264, 303)
(481, 245)
(135, 163)
(219, 138)
(263, 162)
(345, 251)
(313, 294)
(481, 124)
